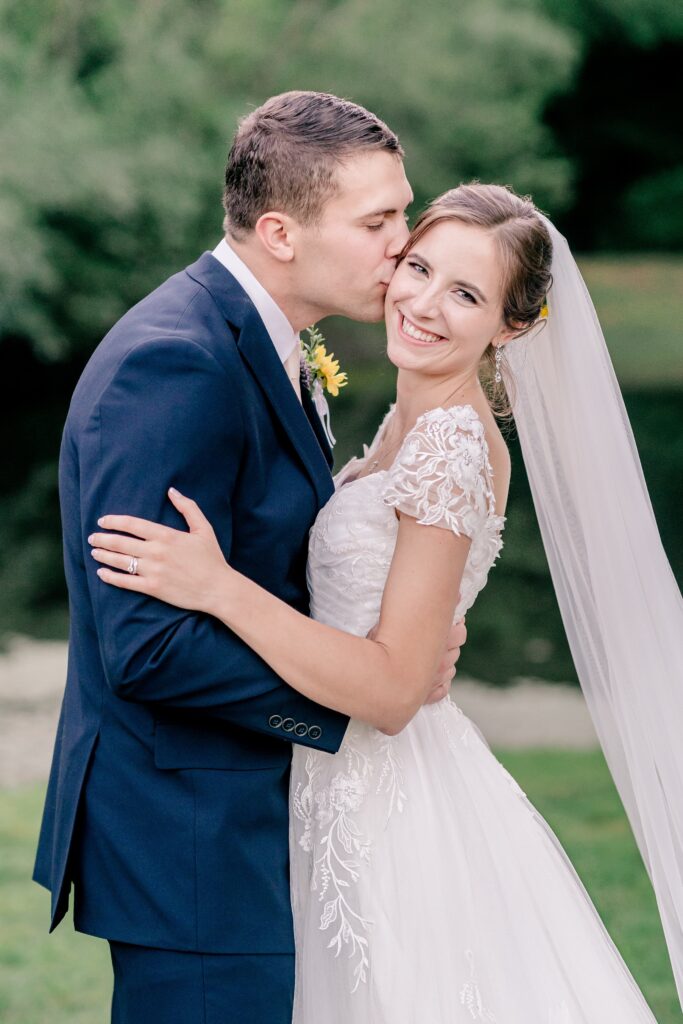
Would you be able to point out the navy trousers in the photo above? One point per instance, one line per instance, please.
(161, 986)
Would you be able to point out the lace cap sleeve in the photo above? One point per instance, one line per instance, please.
(441, 475)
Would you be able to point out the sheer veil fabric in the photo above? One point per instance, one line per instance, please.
(620, 603)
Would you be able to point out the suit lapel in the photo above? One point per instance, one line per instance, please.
(300, 422)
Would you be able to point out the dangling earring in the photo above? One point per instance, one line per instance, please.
(499, 357)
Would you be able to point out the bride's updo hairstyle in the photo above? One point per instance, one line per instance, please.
(526, 250)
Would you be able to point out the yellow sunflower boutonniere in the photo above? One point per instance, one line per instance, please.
(319, 369)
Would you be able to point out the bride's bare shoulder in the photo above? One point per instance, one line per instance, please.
(498, 446)
(499, 457)
(501, 466)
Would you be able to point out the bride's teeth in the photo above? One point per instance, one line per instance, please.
(413, 332)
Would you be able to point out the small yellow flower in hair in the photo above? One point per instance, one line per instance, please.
(544, 310)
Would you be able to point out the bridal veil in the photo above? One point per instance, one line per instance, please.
(620, 603)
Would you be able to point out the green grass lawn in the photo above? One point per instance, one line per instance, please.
(575, 793)
(64, 978)
(44, 979)
(638, 299)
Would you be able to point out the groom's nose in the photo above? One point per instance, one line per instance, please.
(398, 239)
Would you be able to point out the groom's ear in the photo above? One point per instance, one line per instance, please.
(276, 232)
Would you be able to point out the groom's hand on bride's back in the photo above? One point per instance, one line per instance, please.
(445, 673)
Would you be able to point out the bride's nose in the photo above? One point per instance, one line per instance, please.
(426, 303)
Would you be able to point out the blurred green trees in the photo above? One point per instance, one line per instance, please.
(115, 120)
(110, 154)
(618, 123)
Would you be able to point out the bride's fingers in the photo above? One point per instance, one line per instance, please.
(112, 558)
(115, 542)
(138, 527)
(122, 580)
(189, 509)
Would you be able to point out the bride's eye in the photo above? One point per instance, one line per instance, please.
(417, 266)
(466, 295)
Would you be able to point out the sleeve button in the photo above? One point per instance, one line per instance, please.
(315, 732)
(275, 721)
(288, 724)
(300, 729)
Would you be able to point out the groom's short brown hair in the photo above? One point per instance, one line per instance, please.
(285, 154)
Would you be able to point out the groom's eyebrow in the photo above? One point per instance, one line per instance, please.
(379, 213)
(394, 209)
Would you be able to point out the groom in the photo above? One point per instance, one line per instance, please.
(167, 801)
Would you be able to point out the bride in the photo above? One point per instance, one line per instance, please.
(425, 886)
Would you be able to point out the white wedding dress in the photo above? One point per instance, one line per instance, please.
(426, 888)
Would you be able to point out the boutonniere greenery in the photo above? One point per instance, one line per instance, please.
(318, 369)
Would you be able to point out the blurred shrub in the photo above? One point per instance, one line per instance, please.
(652, 211)
(105, 173)
(618, 121)
(644, 23)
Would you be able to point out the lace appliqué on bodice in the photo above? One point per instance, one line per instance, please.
(442, 477)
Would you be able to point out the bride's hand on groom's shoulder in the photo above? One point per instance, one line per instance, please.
(181, 568)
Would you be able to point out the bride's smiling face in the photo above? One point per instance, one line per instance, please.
(445, 301)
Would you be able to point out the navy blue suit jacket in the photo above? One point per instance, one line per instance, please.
(167, 803)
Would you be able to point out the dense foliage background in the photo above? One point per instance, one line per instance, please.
(115, 119)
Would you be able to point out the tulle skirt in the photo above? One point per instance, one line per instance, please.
(427, 890)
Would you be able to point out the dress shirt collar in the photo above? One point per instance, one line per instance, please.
(281, 332)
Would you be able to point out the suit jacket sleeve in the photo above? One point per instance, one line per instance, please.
(171, 416)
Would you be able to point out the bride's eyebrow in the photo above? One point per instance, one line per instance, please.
(461, 284)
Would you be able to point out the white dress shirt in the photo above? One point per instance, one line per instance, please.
(282, 334)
